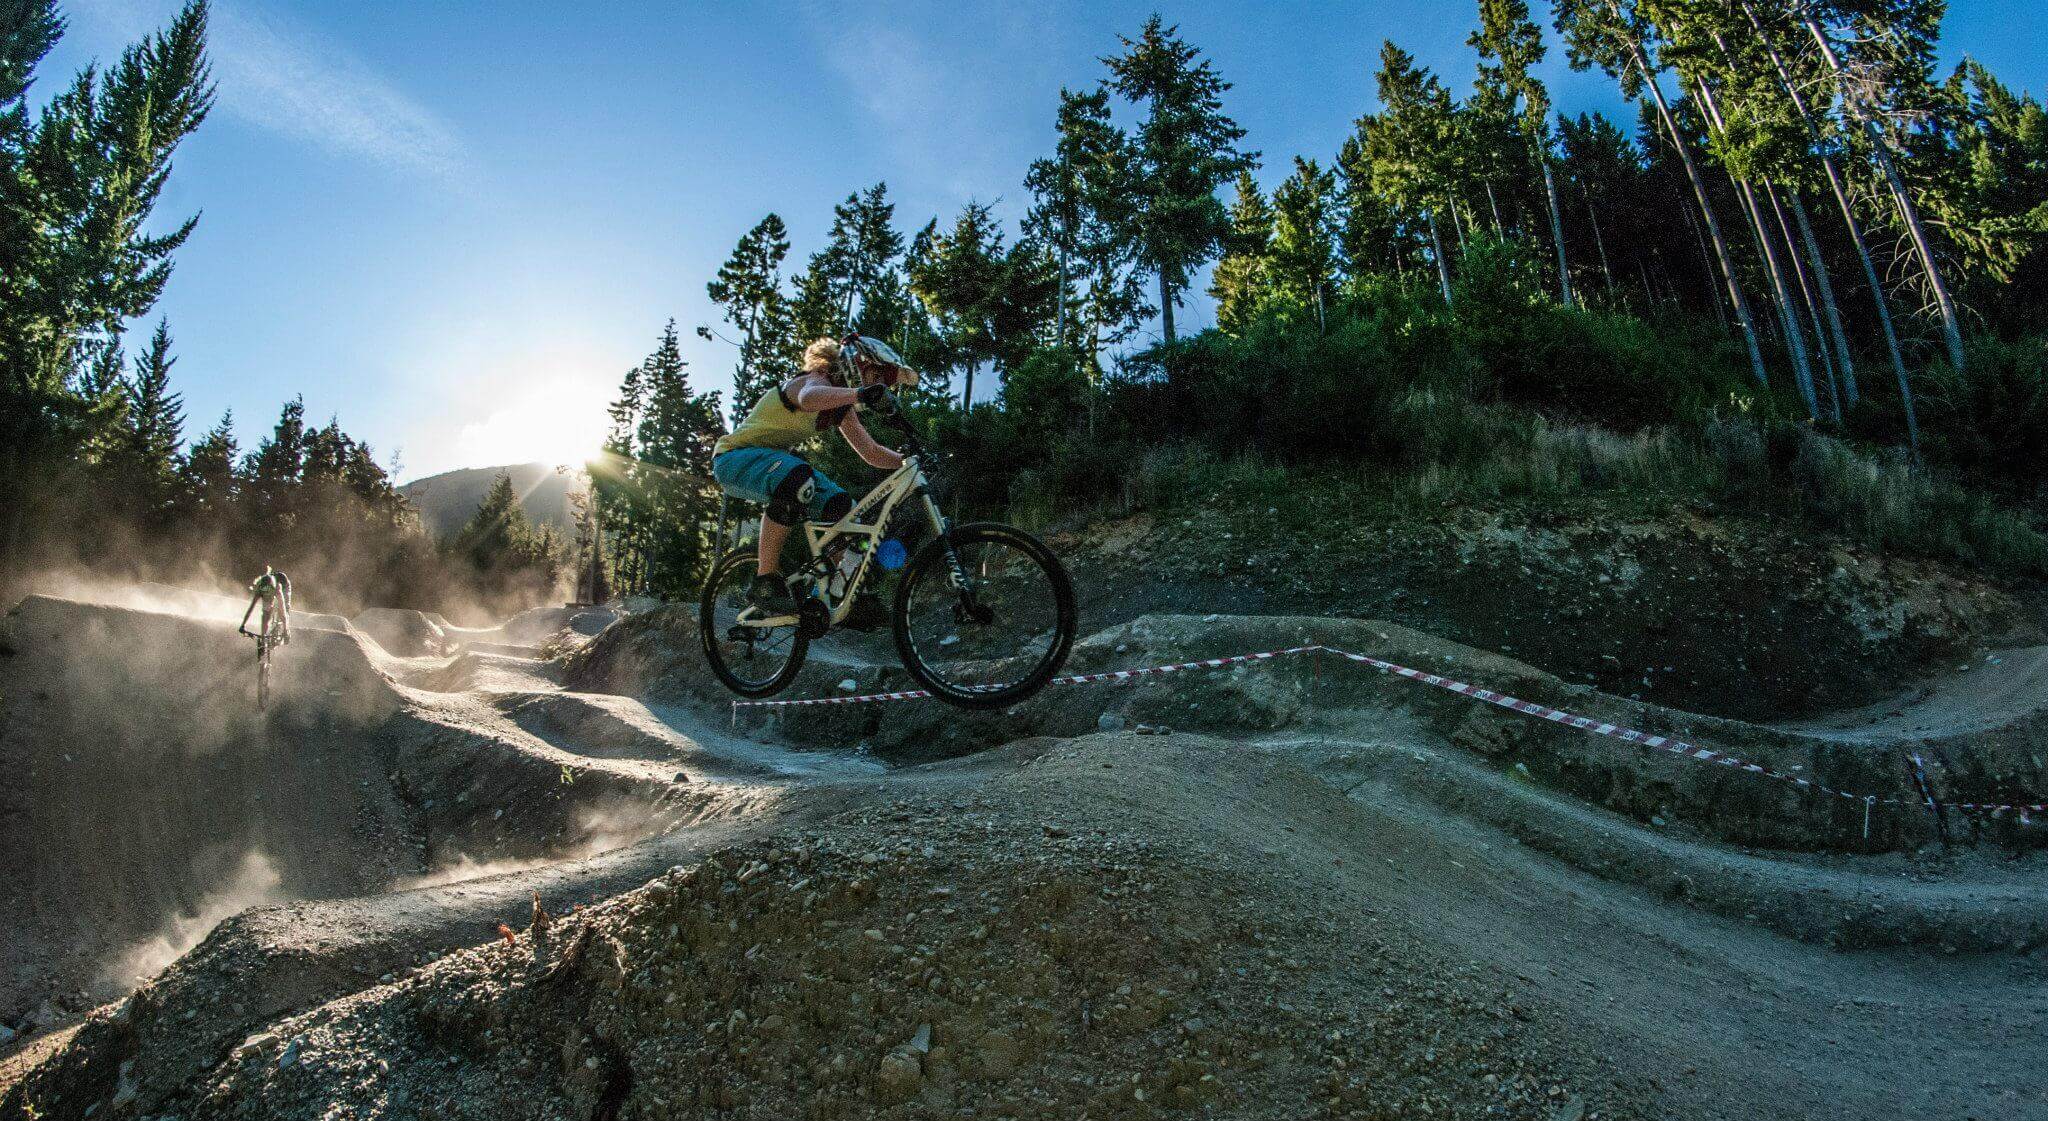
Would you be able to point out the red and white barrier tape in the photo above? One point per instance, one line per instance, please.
(1071, 679)
(2024, 811)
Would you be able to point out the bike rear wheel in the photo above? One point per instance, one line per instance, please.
(997, 634)
(751, 661)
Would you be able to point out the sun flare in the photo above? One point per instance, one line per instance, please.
(556, 425)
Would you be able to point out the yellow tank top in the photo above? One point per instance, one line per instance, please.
(776, 422)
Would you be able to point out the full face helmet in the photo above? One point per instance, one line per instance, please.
(876, 362)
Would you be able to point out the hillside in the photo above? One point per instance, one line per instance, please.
(447, 500)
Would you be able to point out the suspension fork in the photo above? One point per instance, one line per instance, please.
(968, 608)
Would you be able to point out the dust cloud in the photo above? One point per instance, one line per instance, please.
(253, 882)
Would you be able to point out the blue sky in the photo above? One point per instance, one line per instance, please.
(455, 226)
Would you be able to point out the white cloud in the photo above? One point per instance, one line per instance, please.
(288, 80)
(939, 113)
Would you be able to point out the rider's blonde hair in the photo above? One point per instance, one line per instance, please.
(820, 356)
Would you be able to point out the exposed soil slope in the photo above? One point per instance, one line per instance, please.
(1734, 617)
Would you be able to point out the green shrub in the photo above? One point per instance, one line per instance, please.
(1991, 420)
(1888, 504)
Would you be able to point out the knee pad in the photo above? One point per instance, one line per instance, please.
(791, 499)
(836, 507)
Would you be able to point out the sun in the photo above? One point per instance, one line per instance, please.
(557, 425)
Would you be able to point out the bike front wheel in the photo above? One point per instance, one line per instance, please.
(992, 631)
(262, 675)
(751, 661)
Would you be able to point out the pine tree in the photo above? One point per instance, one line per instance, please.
(1239, 282)
(618, 504)
(78, 188)
(486, 539)
(1889, 67)
(143, 467)
(673, 469)
(1607, 34)
(815, 308)
(1410, 144)
(1510, 46)
(506, 554)
(271, 474)
(1603, 174)
(1373, 239)
(861, 247)
(956, 275)
(1082, 212)
(874, 243)
(1184, 152)
(1305, 231)
(207, 478)
(749, 289)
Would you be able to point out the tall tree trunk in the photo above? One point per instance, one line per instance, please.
(1843, 360)
(1805, 272)
(1855, 226)
(1564, 268)
(1494, 204)
(1699, 236)
(1165, 306)
(1812, 304)
(1781, 295)
(1781, 288)
(1443, 269)
(1600, 242)
(1059, 327)
(967, 398)
(1736, 300)
(1880, 149)
(1458, 227)
(1821, 294)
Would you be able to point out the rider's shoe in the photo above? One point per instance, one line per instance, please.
(771, 595)
(866, 614)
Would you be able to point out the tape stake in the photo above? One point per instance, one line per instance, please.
(1927, 796)
(1868, 799)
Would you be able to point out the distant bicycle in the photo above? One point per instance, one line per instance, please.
(273, 592)
(983, 615)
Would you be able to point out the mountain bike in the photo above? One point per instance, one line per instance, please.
(267, 643)
(983, 614)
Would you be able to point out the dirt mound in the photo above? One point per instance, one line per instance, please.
(535, 626)
(529, 631)
(153, 798)
(1998, 754)
(406, 634)
(1117, 926)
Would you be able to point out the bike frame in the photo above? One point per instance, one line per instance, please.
(905, 483)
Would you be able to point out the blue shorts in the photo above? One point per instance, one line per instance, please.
(756, 473)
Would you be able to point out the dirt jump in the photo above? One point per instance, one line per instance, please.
(550, 870)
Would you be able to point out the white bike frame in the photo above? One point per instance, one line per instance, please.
(903, 483)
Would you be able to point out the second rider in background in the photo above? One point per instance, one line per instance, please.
(757, 461)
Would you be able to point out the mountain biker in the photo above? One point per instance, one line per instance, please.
(757, 461)
(273, 590)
